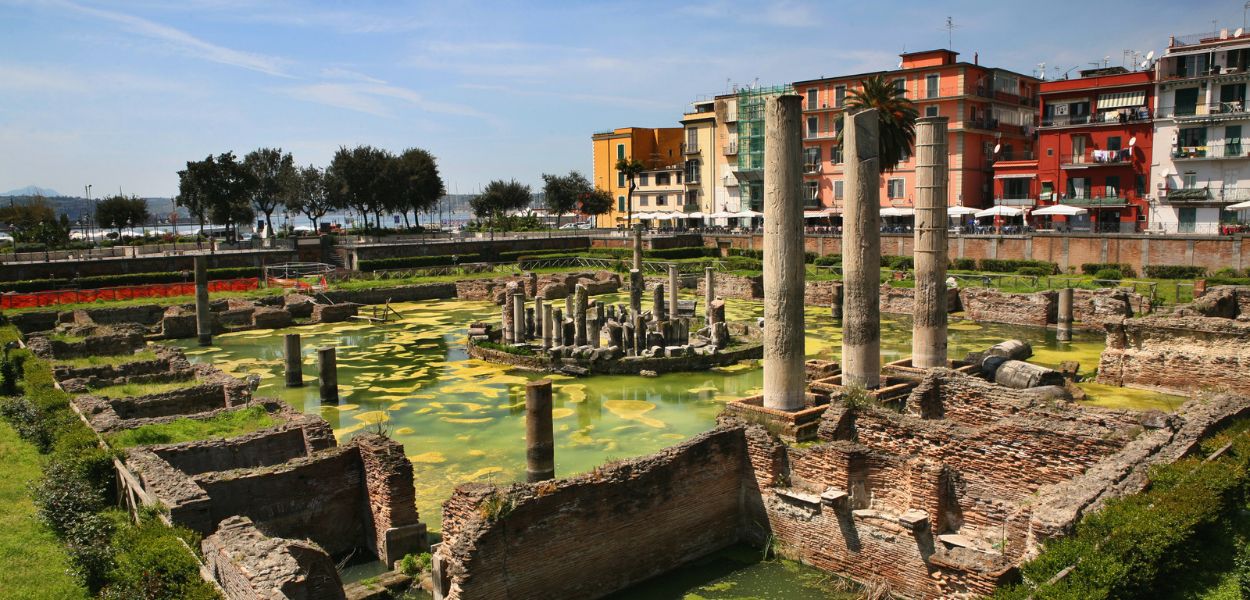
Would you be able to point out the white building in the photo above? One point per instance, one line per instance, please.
(1201, 164)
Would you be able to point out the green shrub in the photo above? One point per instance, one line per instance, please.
(1175, 271)
(413, 565)
(898, 263)
(414, 262)
(1034, 271)
(1228, 281)
(517, 350)
(1108, 277)
(828, 260)
(756, 254)
(1093, 268)
(994, 265)
(679, 253)
(152, 562)
(1226, 273)
(103, 281)
(743, 263)
(964, 264)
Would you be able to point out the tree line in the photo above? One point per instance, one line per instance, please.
(562, 195)
(372, 181)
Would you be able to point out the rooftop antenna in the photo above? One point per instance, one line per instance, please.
(1041, 68)
(950, 28)
(1106, 60)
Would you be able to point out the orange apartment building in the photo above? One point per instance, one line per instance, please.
(988, 108)
(657, 148)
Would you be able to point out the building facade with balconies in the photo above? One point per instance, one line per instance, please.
(987, 108)
(702, 154)
(655, 147)
(1093, 151)
(1201, 163)
(663, 191)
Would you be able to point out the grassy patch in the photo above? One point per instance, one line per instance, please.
(140, 389)
(225, 425)
(35, 563)
(114, 359)
(67, 338)
(510, 349)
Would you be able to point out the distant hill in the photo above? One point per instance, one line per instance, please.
(32, 190)
(76, 207)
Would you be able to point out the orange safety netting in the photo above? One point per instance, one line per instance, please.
(153, 290)
(298, 284)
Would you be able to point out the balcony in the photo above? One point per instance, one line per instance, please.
(1015, 201)
(1219, 151)
(1008, 156)
(1106, 118)
(730, 181)
(690, 148)
(1221, 111)
(812, 168)
(1097, 158)
(731, 149)
(1195, 196)
(1094, 200)
(819, 135)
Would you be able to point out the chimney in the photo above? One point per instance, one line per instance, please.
(976, 58)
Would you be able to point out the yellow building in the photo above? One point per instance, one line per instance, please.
(702, 155)
(654, 147)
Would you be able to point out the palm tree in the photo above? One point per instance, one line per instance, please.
(631, 167)
(897, 115)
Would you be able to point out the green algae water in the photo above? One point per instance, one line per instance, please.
(463, 420)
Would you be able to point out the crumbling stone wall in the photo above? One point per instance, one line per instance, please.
(251, 565)
(392, 498)
(118, 340)
(1177, 353)
(992, 306)
(594, 534)
(112, 414)
(1094, 307)
(740, 287)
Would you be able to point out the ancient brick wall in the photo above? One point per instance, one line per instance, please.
(597, 533)
(992, 306)
(1177, 353)
(1092, 308)
(392, 498)
(260, 449)
(467, 246)
(736, 286)
(249, 564)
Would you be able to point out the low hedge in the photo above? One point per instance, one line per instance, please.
(995, 265)
(828, 260)
(963, 264)
(412, 262)
(1175, 271)
(1034, 271)
(103, 281)
(1151, 544)
(898, 263)
(1124, 268)
(679, 253)
(756, 254)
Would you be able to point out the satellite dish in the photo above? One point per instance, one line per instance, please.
(900, 64)
(1150, 55)
(1132, 141)
(1144, 63)
(997, 147)
(1238, 32)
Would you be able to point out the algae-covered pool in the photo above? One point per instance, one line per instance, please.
(462, 419)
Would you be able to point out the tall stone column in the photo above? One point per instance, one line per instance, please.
(657, 302)
(784, 332)
(540, 447)
(509, 313)
(636, 286)
(1064, 331)
(861, 252)
(835, 303)
(328, 373)
(539, 326)
(203, 318)
(928, 341)
(638, 247)
(547, 326)
(518, 316)
(294, 361)
(673, 286)
(709, 289)
(579, 315)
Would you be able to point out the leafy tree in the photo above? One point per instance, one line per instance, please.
(28, 220)
(358, 179)
(311, 199)
(499, 197)
(119, 211)
(896, 114)
(418, 185)
(226, 186)
(631, 167)
(274, 180)
(563, 193)
(191, 195)
(596, 202)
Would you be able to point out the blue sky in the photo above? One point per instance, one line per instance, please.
(124, 93)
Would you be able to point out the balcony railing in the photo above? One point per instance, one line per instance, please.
(1096, 199)
(1097, 158)
(812, 168)
(1013, 155)
(1129, 115)
(1211, 151)
(819, 135)
(1232, 110)
(731, 148)
(690, 148)
(1015, 201)
(1207, 196)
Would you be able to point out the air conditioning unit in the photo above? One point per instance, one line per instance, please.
(1161, 185)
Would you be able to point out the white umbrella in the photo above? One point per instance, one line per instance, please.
(644, 216)
(815, 214)
(1239, 206)
(665, 216)
(747, 214)
(959, 211)
(1060, 209)
(999, 211)
(694, 215)
(722, 215)
(897, 212)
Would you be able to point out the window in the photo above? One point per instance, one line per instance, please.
(661, 200)
(679, 178)
(620, 179)
(692, 197)
(811, 156)
(835, 155)
(1112, 189)
(837, 125)
(931, 111)
(642, 200)
(895, 188)
(620, 203)
(812, 198)
(1113, 142)
(1048, 190)
(901, 85)
(1141, 186)
(839, 96)
(1186, 101)
(663, 179)
(811, 97)
(692, 137)
(620, 151)
(1078, 187)
(904, 155)
(837, 190)
(812, 126)
(643, 177)
(692, 171)
(1193, 137)
(931, 86)
(1015, 189)
(1189, 180)
(1232, 140)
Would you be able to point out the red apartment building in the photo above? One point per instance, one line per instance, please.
(987, 107)
(1093, 152)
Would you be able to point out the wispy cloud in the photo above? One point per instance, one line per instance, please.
(43, 78)
(370, 97)
(778, 13)
(342, 73)
(181, 41)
